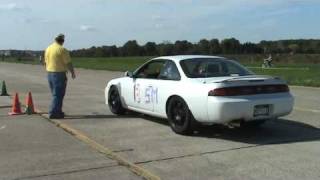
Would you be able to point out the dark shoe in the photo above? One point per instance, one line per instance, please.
(62, 114)
(56, 116)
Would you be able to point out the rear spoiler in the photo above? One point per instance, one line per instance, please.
(250, 76)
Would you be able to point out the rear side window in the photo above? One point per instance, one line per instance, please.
(212, 67)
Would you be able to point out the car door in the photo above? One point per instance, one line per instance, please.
(169, 81)
(146, 85)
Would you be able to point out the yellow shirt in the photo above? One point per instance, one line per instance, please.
(57, 57)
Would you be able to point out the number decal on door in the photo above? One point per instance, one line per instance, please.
(151, 95)
(136, 93)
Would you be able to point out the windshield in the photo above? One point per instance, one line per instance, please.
(212, 67)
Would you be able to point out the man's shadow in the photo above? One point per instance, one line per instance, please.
(96, 116)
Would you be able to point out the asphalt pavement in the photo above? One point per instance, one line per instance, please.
(34, 148)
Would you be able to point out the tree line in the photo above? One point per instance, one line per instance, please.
(204, 46)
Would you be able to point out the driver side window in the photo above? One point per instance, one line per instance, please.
(150, 70)
(170, 71)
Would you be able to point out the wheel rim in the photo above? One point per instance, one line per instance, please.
(178, 114)
(114, 99)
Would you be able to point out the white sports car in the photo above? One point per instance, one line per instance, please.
(188, 90)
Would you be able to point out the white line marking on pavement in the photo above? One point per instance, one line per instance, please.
(286, 68)
(305, 87)
(309, 110)
(3, 127)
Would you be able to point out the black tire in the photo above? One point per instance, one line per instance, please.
(180, 118)
(114, 101)
(253, 124)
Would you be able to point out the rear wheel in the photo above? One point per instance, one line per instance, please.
(180, 118)
(114, 101)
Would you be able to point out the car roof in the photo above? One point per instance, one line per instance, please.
(178, 58)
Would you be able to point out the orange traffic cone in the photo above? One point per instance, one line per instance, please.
(16, 108)
(29, 105)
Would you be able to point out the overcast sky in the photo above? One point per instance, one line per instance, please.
(32, 24)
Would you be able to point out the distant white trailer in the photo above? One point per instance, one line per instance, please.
(5, 52)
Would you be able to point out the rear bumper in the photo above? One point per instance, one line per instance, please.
(226, 109)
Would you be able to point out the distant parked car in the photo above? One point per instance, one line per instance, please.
(188, 90)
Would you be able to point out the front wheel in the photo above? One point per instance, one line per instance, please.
(114, 101)
(180, 118)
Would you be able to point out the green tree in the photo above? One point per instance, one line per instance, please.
(165, 49)
(250, 48)
(131, 48)
(113, 50)
(215, 46)
(99, 52)
(204, 46)
(294, 48)
(150, 49)
(183, 47)
(230, 46)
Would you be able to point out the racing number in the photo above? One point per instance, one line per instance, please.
(151, 95)
(136, 93)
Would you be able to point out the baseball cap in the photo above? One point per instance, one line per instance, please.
(60, 36)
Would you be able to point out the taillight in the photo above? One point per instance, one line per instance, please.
(283, 88)
(249, 90)
(218, 92)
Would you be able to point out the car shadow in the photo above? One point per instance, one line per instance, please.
(278, 131)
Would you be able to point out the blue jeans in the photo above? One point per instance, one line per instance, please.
(58, 83)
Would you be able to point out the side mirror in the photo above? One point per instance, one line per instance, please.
(128, 74)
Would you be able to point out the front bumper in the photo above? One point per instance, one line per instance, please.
(226, 109)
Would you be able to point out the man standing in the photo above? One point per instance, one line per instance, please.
(57, 63)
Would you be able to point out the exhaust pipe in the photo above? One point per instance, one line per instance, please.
(236, 123)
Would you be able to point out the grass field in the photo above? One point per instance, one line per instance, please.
(295, 70)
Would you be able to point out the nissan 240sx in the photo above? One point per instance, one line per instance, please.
(188, 90)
